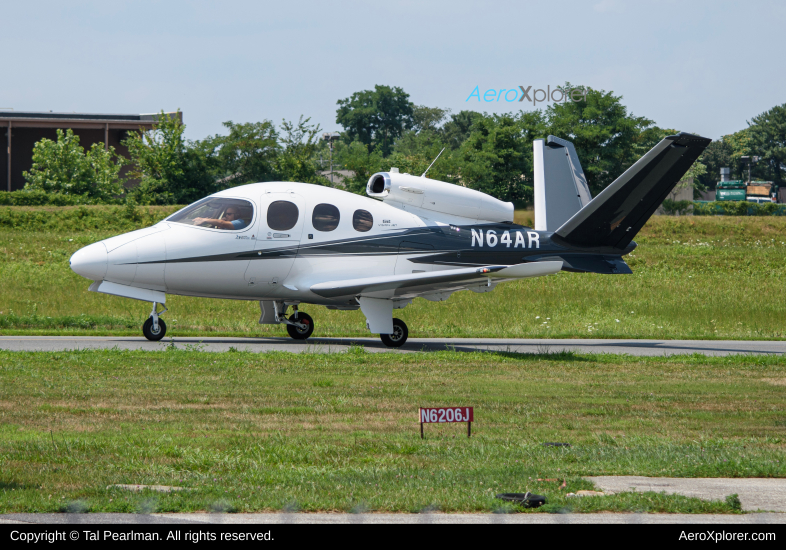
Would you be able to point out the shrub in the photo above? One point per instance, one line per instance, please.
(83, 218)
(63, 167)
(677, 208)
(28, 197)
(737, 208)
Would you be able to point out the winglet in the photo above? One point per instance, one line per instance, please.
(560, 185)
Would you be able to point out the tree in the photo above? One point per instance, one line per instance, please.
(693, 177)
(497, 156)
(768, 139)
(458, 128)
(607, 138)
(428, 118)
(717, 155)
(170, 170)
(297, 158)
(247, 155)
(416, 152)
(62, 166)
(376, 117)
(739, 143)
(362, 161)
(726, 153)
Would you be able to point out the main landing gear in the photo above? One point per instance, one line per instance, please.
(399, 335)
(154, 328)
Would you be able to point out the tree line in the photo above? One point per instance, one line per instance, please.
(382, 128)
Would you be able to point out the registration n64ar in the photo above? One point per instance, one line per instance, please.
(284, 244)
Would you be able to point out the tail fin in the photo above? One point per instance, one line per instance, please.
(614, 217)
(561, 188)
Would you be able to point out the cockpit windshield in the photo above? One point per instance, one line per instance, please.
(218, 213)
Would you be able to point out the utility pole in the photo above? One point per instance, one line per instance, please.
(9, 156)
(751, 161)
(330, 137)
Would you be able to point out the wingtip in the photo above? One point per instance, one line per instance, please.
(684, 138)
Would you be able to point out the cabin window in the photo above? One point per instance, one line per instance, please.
(362, 220)
(217, 213)
(282, 215)
(325, 217)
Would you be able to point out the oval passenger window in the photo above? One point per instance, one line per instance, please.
(282, 215)
(362, 220)
(325, 218)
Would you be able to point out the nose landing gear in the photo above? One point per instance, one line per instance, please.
(154, 328)
(399, 335)
(299, 325)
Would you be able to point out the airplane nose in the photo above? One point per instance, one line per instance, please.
(90, 262)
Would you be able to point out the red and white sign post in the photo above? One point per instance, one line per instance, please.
(439, 415)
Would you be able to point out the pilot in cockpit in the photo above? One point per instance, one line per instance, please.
(230, 220)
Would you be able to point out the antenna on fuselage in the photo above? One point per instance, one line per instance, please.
(423, 175)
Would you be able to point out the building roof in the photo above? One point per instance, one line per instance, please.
(38, 119)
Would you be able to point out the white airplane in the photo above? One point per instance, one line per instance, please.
(285, 244)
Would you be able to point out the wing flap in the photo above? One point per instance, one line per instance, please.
(366, 285)
(531, 269)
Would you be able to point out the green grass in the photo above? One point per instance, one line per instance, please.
(253, 432)
(694, 278)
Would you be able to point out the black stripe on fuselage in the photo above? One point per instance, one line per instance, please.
(444, 245)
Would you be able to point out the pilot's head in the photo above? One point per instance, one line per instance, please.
(232, 213)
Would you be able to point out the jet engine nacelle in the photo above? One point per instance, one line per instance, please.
(411, 192)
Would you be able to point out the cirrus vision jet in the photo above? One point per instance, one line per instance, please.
(284, 244)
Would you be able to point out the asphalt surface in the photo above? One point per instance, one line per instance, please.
(763, 494)
(334, 518)
(331, 345)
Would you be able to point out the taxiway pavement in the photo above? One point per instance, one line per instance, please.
(331, 345)
(432, 518)
(763, 494)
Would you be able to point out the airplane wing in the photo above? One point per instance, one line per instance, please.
(413, 284)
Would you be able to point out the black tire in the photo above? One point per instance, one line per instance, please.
(147, 329)
(399, 336)
(299, 334)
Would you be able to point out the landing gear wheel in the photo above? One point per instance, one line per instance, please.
(298, 333)
(150, 334)
(399, 336)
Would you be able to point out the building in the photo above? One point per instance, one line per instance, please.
(682, 192)
(21, 130)
(338, 176)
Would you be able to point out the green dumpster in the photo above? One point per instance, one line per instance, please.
(730, 194)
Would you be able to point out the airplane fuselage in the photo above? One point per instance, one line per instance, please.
(260, 262)
(284, 244)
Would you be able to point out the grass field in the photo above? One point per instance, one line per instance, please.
(694, 277)
(252, 432)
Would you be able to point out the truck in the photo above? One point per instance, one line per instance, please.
(734, 190)
(760, 192)
(738, 190)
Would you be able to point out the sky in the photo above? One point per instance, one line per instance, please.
(705, 67)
